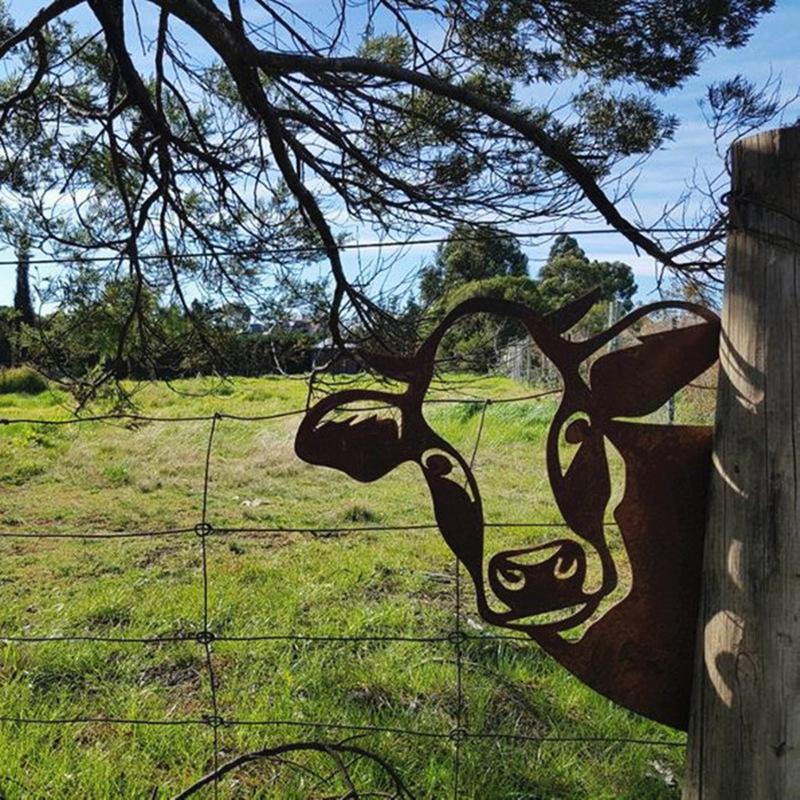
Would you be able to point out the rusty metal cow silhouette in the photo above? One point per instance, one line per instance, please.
(639, 651)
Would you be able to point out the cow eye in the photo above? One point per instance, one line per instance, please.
(574, 431)
(440, 464)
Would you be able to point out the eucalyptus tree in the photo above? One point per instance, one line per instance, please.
(204, 141)
(471, 253)
(568, 274)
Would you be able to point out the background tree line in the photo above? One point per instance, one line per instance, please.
(80, 337)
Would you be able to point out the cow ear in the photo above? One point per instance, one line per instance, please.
(638, 380)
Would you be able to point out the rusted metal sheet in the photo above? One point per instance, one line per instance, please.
(639, 651)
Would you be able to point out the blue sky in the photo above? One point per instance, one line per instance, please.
(771, 50)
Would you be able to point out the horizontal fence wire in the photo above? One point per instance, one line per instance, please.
(326, 531)
(207, 638)
(220, 415)
(338, 726)
(311, 250)
(123, 417)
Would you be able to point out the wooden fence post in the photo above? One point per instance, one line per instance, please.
(744, 735)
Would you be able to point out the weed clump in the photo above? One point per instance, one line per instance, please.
(359, 513)
(22, 380)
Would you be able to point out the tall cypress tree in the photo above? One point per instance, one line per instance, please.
(22, 294)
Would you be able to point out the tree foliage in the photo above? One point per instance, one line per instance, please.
(471, 253)
(475, 260)
(23, 302)
(198, 144)
(569, 274)
(484, 261)
(79, 341)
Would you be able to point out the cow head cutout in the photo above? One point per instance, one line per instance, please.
(639, 651)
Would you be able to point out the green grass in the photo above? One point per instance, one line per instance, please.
(146, 476)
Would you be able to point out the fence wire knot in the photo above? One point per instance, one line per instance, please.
(203, 529)
(457, 638)
(458, 735)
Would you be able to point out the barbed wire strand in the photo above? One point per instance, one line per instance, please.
(457, 638)
(220, 415)
(321, 532)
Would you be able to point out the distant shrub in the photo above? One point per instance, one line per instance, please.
(21, 380)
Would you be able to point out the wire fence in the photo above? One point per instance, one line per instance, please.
(204, 531)
(311, 250)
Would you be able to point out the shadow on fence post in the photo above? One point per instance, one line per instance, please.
(744, 736)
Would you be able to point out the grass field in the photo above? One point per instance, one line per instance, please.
(149, 476)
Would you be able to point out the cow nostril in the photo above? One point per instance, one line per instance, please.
(566, 567)
(511, 578)
(540, 579)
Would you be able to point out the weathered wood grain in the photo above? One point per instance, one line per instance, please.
(744, 737)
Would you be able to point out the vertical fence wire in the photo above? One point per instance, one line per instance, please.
(458, 636)
(205, 529)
